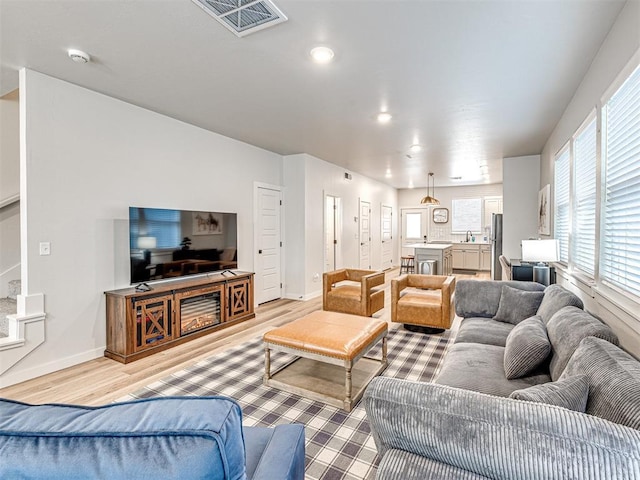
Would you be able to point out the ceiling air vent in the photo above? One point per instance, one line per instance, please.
(243, 17)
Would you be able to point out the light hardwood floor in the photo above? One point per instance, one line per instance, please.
(103, 380)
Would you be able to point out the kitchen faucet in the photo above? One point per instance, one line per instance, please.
(469, 235)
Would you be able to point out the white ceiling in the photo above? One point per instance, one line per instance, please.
(472, 81)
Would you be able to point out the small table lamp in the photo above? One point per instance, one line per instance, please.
(541, 252)
(147, 244)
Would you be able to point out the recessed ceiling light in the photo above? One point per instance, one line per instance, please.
(384, 117)
(79, 56)
(415, 148)
(321, 54)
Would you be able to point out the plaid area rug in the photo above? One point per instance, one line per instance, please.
(339, 445)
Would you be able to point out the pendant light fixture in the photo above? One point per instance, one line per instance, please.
(429, 199)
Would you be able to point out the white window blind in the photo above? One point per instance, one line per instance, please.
(561, 208)
(466, 215)
(620, 258)
(584, 200)
(163, 225)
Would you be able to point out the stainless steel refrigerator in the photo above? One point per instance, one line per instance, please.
(496, 246)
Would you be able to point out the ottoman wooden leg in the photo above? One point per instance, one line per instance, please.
(347, 386)
(267, 364)
(384, 351)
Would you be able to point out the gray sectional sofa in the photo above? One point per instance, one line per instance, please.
(534, 387)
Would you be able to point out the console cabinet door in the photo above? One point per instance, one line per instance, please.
(239, 299)
(152, 322)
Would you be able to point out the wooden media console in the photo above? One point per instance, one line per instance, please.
(142, 323)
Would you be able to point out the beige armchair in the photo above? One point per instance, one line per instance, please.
(423, 300)
(364, 299)
(506, 267)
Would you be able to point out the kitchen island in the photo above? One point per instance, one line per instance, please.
(426, 253)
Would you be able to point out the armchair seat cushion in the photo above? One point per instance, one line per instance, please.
(351, 292)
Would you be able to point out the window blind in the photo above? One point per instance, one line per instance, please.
(162, 224)
(620, 258)
(561, 208)
(584, 200)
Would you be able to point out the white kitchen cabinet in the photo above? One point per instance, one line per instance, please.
(485, 257)
(466, 256)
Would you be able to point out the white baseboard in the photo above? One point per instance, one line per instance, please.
(304, 298)
(12, 378)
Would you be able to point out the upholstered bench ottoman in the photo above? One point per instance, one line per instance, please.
(330, 364)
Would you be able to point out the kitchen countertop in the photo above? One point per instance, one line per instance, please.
(442, 246)
(429, 246)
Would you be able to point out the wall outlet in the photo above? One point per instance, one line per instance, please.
(45, 248)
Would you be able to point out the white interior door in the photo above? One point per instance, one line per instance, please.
(268, 267)
(415, 227)
(332, 233)
(386, 222)
(365, 235)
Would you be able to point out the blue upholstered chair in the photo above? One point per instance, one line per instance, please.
(160, 438)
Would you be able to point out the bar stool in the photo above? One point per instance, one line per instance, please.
(407, 264)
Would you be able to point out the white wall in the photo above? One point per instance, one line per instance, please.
(9, 146)
(410, 197)
(9, 188)
(88, 158)
(521, 180)
(320, 178)
(294, 167)
(622, 42)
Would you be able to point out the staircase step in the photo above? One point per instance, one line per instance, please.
(8, 306)
(15, 288)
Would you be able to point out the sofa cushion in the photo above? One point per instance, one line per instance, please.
(400, 464)
(275, 452)
(483, 330)
(566, 329)
(570, 392)
(168, 437)
(527, 348)
(555, 298)
(516, 305)
(614, 380)
(480, 298)
(480, 368)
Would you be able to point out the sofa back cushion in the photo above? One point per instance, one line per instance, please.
(517, 305)
(555, 298)
(566, 329)
(168, 437)
(476, 298)
(614, 380)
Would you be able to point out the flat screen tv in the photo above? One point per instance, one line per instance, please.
(167, 243)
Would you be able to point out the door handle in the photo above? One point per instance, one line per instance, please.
(260, 252)
(361, 243)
